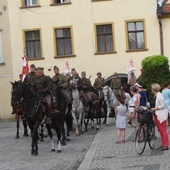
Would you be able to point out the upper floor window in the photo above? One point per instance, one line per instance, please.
(1, 52)
(60, 1)
(135, 35)
(104, 38)
(63, 41)
(27, 3)
(33, 44)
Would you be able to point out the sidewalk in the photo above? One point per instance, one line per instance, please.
(104, 154)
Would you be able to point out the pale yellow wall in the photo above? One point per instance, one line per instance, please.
(81, 15)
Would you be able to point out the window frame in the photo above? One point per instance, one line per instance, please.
(55, 42)
(23, 6)
(136, 31)
(96, 38)
(40, 40)
(63, 3)
(1, 48)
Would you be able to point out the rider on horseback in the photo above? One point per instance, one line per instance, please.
(42, 85)
(63, 83)
(115, 84)
(86, 88)
(99, 81)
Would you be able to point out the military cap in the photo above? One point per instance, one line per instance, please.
(99, 73)
(55, 67)
(73, 69)
(115, 74)
(83, 72)
(32, 66)
(39, 68)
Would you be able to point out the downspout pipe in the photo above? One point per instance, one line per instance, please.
(161, 35)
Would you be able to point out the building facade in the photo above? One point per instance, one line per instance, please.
(92, 35)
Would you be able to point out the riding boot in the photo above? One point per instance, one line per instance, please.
(69, 109)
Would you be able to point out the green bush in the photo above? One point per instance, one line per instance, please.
(156, 70)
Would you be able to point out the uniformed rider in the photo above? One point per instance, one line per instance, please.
(63, 82)
(99, 81)
(42, 85)
(115, 84)
(86, 88)
(29, 78)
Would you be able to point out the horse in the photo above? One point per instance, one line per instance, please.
(77, 108)
(111, 100)
(34, 111)
(18, 111)
(63, 116)
(93, 109)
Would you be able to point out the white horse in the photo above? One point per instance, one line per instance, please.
(111, 100)
(77, 108)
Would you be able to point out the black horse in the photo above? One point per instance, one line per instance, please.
(63, 116)
(34, 111)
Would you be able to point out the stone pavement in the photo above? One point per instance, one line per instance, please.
(90, 151)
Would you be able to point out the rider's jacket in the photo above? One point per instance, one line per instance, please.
(29, 79)
(61, 79)
(42, 85)
(99, 83)
(115, 83)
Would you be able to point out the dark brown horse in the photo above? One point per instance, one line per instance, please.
(34, 110)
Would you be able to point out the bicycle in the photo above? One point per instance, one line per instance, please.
(146, 131)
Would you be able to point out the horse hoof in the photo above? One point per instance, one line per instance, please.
(17, 137)
(104, 122)
(25, 135)
(52, 150)
(64, 143)
(92, 127)
(34, 153)
(58, 151)
(68, 139)
(41, 140)
(97, 128)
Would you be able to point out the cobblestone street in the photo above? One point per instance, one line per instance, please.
(93, 150)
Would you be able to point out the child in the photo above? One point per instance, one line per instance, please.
(121, 121)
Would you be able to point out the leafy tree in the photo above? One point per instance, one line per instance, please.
(156, 70)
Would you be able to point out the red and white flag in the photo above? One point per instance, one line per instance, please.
(25, 67)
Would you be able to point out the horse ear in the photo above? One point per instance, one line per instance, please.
(12, 83)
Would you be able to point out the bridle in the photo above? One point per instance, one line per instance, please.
(108, 95)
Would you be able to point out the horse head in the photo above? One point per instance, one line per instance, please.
(106, 93)
(16, 93)
(73, 83)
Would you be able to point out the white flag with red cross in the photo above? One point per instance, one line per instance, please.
(25, 67)
(130, 69)
(66, 68)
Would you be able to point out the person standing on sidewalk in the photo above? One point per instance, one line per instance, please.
(161, 115)
(121, 121)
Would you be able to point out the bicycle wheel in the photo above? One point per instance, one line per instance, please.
(151, 135)
(140, 140)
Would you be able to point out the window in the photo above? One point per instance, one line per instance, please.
(135, 34)
(63, 41)
(104, 38)
(33, 44)
(30, 2)
(1, 52)
(60, 1)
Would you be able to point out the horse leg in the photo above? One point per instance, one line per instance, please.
(34, 136)
(42, 132)
(75, 123)
(17, 126)
(97, 110)
(108, 112)
(25, 127)
(48, 126)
